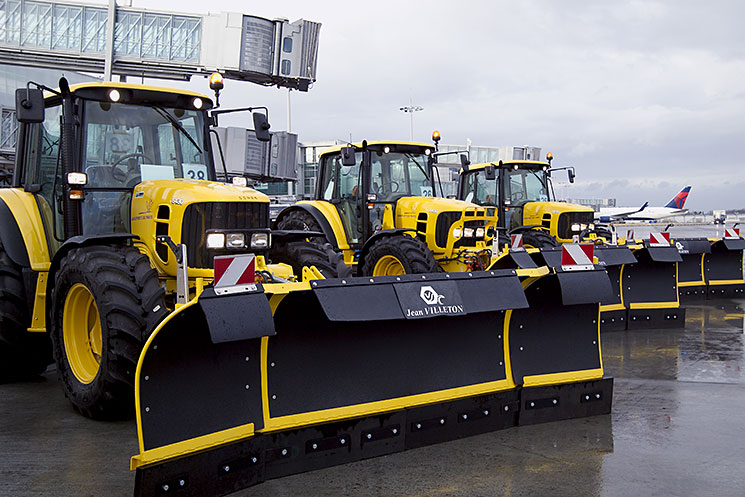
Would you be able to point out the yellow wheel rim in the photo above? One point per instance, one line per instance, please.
(81, 331)
(388, 266)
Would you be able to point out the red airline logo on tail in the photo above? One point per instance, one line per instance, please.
(679, 200)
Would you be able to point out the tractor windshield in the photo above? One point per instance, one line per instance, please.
(394, 175)
(479, 190)
(124, 145)
(525, 185)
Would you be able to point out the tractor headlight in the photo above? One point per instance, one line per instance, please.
(216, 240)
(468, 232)
(235, 240)
(457, 232)
(260, 240)
(575, 227)
(591, 226)
(583, 226)
(480, 232)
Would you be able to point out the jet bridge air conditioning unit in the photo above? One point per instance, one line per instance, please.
(246, 156)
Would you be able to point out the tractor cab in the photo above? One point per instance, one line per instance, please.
(523, 194)
(362, 181)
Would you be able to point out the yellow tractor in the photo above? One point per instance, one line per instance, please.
(113, 218)
(375, 203)
(522, 193)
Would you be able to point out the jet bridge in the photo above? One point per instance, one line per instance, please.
(154, 44)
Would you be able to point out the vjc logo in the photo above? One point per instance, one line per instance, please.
(430, 296)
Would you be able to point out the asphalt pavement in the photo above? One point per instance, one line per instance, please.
(675, 430)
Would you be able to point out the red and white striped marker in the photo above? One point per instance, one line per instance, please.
(630, 234)
(234, 270)
(732, 233)
(517, 242)
(657, 239)
(577, 256)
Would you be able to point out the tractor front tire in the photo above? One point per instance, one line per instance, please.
(299, 219)
(301, 254)
(22, 354)
(539, 239)
(107, 300)
(398, 254)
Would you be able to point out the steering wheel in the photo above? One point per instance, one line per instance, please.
(394, 186)
(121, 175)
(516, 196)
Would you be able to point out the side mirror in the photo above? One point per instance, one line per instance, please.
(571, 175)
(464, 162)
(261, 127)
(347, 156)
(29, 105)
(490, 172)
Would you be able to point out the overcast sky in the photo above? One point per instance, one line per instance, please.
(642, 97)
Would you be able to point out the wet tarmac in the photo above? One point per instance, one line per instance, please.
(675, 430)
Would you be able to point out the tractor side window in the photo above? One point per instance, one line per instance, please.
(328, 171)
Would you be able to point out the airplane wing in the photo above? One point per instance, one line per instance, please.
(619, 215)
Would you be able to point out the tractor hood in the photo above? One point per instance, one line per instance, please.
(531, 209)
(184, 209)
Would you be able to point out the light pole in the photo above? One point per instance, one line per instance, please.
(411, 109)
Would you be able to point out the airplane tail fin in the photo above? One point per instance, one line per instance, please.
(679, 200)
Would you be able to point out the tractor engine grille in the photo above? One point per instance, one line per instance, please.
(200, 217)
(442, 229)
(567, 219)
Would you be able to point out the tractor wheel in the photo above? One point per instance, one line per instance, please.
(302, 253)
(539, 239)
(107, 301)
(401, 254)
(299, 219)
(22, 354)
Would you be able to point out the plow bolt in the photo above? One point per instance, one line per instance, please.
(442, 421)
(587, 397)
(315, 446)
(181, 483)
(486, 413)
(147, 409)
(254, 460)
(147, 378)
(506, 408)
(597, 395)
(272, 364)
(343, 441)
(284, 452)
(274, 397)
(521, 348)
(226, 468)
(246, 358)
(246, 387)
(395, 431)
(165, 488)
(398, 278)
(465, 416)
(369, 436)
(418, 426)
(500, 363)
(532, 404)
(555, 401)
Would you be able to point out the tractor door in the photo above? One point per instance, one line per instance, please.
(341, 186)
(41, 172)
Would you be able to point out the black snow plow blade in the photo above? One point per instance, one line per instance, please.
(724, 269)
(236, 389)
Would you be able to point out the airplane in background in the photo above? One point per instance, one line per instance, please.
(645, 213)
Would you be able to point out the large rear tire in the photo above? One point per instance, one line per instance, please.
(107, 301)
(22, 354)
(539, 239)
(398, 254)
